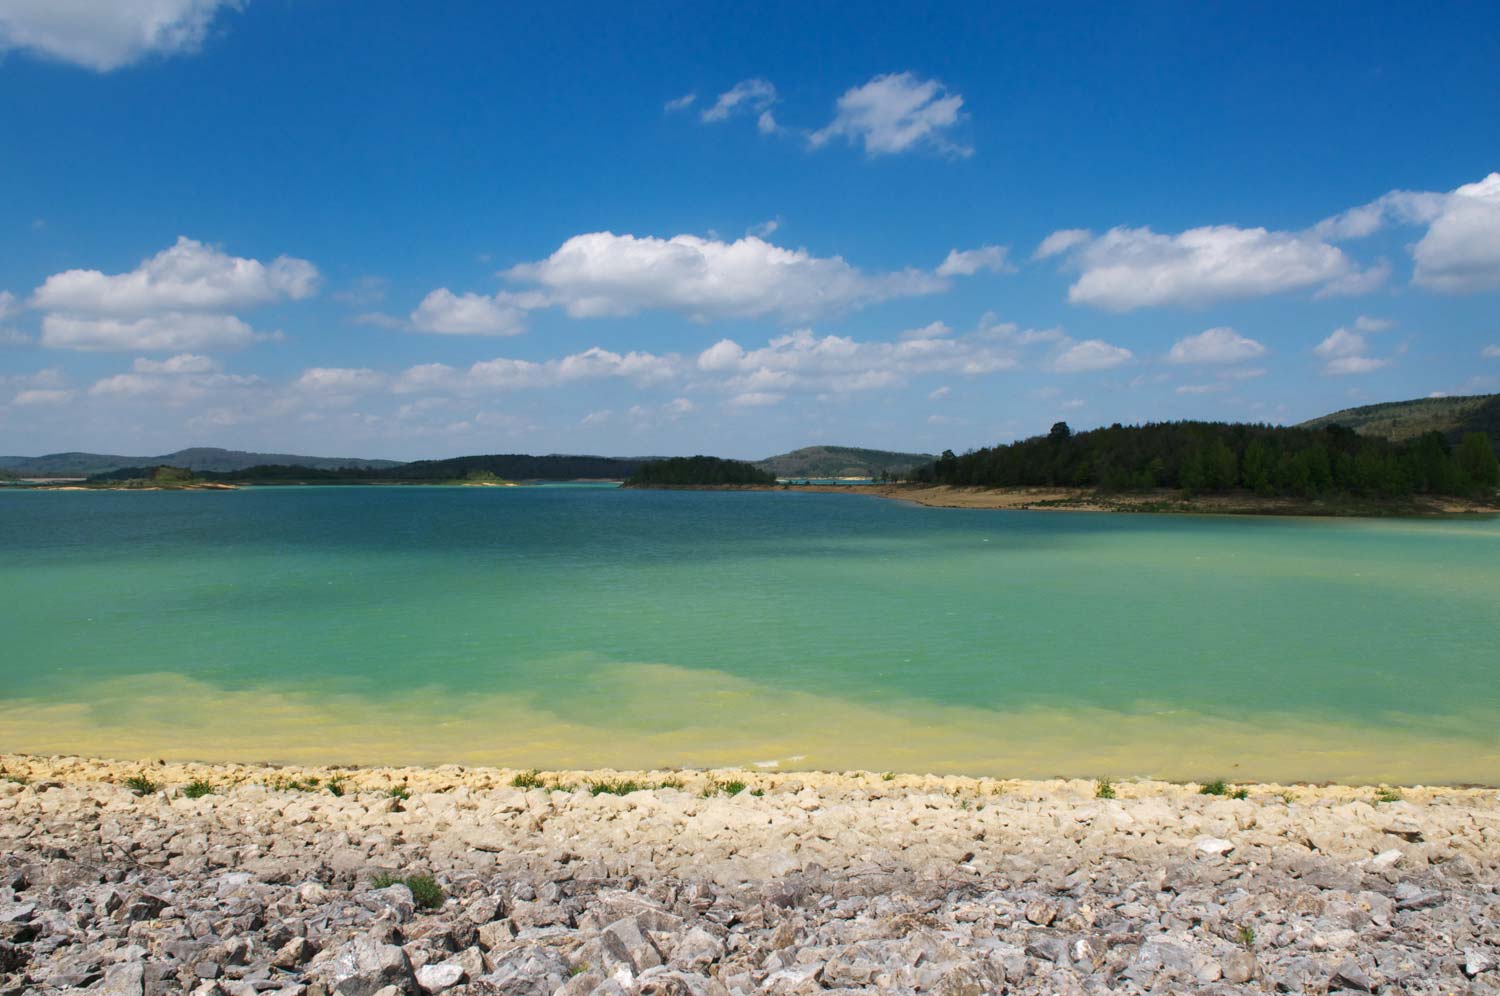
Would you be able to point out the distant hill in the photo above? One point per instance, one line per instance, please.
(1399, 421)
(841, 461)
(196, 458)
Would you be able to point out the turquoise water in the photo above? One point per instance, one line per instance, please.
(591, 626)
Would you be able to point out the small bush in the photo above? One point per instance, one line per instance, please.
(670, 783)
(1104, 789)
(336, 785)
(398, 792)
(1387, 794)
(528, 780)
(757, 792)
(425, 890)
(197, 788)
(889, 776)
(141, 785)
(1287, 797)
(1246, 936)
(1215, 787)
(1240, 793)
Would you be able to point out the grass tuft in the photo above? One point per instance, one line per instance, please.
(280, 784)
(398, 792)
(529, 780)
(889, 776)
(336, 785)
(424, 889)
(141, 785)
(757, 792)
(1387, 794)
(1215, 787)
(1104, 789)
(197, 788)
(1246, 936)
(732, 787)
(622, 786)
(670, 783)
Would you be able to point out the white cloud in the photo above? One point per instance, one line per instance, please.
(168, 332)
(597, 418)
(754, 399)
(1461, 251)
(1490, 352)
(1091, 355)
(339, 380)
(1215, 346)
(932, 330)
(189, 276)
(765, 229)
(601, 274)
(1344, 352)
(182, 363)
(970, 262)
(447, 313)
(680, 103)
(108, 35)
(1128, 268)
(1203, 388)
(755, 96)
(679, 406)
(41, 396)
(1073, 404)
(938, 394)
(896, 112)
(1364, 323)
(1061, 241)
(509, 374)
(9, 306)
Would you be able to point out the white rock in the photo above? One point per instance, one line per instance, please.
(1213, 845)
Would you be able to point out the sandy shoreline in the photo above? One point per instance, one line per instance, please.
(850, 882)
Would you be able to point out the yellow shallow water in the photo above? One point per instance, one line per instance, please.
(661, 715)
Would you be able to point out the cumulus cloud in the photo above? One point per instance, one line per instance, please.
(1364, 323)
(1091, 355)
(182, 363)
(600, 273)
(752, 96)
(755, 399)
(9, 306)
(1345, 352)
(189, 276)
(175, 300)
(971, 261)
(510, 374)
(1490, 352)
(106, 36)
(1460, 251)
(680, 103)
(1129, 268)
(339, 380)
(41, 396)
(1061, 241)
(1215, 346)
(896, 112)
(169, 332)
(447, 313)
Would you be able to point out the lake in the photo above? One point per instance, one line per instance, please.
(588, 626)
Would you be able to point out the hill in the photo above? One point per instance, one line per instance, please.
(842, 461)
(1399, 421)
(199, 458)
(697, 471)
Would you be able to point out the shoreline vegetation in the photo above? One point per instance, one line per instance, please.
(148, 877)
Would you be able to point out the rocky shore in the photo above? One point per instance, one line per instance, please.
(133, 879)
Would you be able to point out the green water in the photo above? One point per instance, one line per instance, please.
(590, 626)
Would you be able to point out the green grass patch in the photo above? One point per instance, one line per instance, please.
(757, 792)
(731, 787)
(1387, 794)
(1104, 789)
(398, 792)
(141, 785)
(622, 786)
(1246, 936)
(279, 784)
(670, 783)
(529, 780)
(889, 776)
(424, 889)
(336, 785)
(197, 788)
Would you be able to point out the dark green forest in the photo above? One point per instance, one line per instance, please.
(510, 466)
(697, 470)
(1201, 457)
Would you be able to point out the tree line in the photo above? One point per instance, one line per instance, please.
(697, 470)
(1202, 457)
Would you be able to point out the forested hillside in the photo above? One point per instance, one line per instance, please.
(698, 471)
(1216, 456)
(1402, 420)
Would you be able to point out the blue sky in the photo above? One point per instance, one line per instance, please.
(396, 230)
